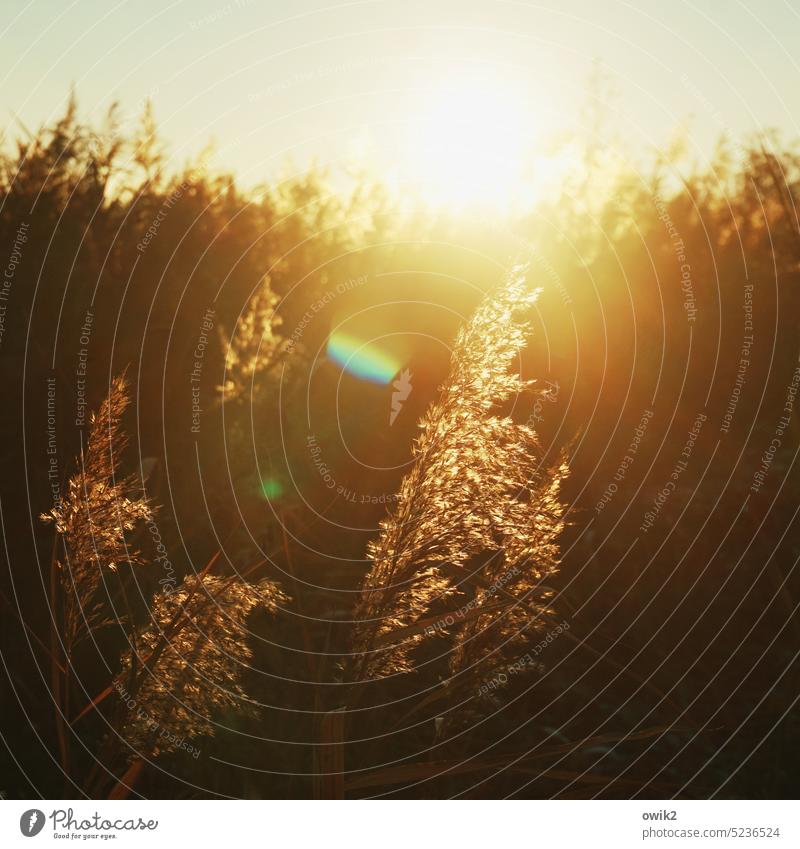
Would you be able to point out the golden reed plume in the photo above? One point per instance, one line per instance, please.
(255, 346)
(187, 663)
(476, 516)
(93, 517)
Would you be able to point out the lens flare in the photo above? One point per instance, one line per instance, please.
(271, 489)
(362, 359)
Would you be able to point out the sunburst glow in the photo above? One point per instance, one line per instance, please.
(472, 142)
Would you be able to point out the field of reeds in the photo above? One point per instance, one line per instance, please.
(305, 494)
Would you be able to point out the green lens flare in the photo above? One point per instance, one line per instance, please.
(271, 488)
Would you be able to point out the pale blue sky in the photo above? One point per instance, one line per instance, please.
(315, 78)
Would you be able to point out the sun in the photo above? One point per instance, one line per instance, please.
(472, 142)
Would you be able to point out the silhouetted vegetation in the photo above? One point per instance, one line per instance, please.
(564, 566)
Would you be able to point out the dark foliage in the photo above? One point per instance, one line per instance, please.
(665, 333)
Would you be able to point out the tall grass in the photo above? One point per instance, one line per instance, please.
(477, 518)
(458, 581)
(473, 536)
(184, 663)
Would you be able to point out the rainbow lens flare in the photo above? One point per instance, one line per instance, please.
(362, 359)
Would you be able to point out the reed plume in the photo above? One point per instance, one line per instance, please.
(255, 347)
(93, 517)
(507, 597)
(186, 664)
(474, 515)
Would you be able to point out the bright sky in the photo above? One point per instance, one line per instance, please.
(401, 81)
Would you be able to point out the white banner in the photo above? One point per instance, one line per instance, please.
(400, 824)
